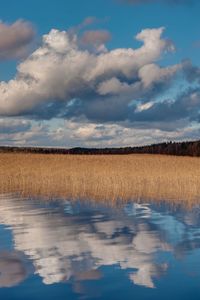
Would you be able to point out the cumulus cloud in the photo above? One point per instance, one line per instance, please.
(101, 93)
(69, 73)
(15, 38)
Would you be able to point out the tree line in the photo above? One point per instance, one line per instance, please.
(191, 148)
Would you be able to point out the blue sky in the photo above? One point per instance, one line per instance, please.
(152, 99)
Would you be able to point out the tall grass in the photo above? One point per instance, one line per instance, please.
(102, 178)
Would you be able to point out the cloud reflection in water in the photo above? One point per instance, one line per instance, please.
(71, 242)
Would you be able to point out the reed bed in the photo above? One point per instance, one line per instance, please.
(102, 178)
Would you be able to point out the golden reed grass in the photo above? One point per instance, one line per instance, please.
(102, 178)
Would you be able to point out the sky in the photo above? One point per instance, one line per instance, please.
(99, 73)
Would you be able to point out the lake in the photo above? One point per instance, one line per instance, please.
(62, 249)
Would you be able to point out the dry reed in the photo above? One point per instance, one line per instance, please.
(102, 178)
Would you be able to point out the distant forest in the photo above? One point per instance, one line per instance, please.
(170, 148)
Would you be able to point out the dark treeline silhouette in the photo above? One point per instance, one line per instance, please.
(170, 148)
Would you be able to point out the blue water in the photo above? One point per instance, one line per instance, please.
(78, 250)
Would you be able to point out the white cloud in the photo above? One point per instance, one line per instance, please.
(60, 71)
(102, 96)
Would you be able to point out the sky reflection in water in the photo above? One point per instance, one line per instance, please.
(68, 250)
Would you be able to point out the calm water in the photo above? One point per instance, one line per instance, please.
(64, 250)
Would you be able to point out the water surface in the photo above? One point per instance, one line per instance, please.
(78, 250)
